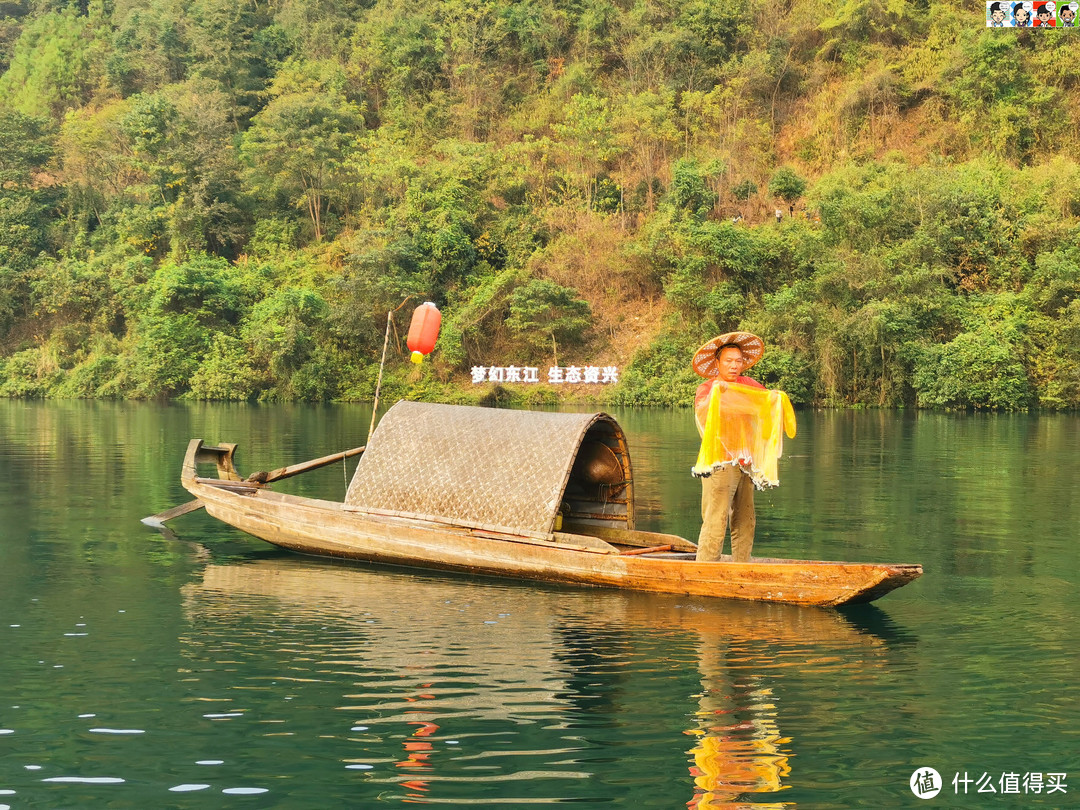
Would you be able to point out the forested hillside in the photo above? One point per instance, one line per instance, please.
(219, 199)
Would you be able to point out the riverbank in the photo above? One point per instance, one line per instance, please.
(899, 225)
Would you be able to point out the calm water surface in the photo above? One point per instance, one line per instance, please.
(205, 669)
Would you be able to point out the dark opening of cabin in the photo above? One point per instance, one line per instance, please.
(599, 488)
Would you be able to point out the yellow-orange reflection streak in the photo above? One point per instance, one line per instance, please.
(418, 750)
(738, 747)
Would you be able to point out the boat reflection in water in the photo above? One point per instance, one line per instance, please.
(429, 662)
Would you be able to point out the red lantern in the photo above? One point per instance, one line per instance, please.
(424, 330)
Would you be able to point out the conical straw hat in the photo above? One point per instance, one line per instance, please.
(706, 359)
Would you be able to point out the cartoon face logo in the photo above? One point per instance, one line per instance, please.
(1021, 15)
(997, 13)
(1068, 15)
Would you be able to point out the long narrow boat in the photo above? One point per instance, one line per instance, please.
(544, 496)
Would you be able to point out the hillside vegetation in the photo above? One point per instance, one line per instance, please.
(217, 199)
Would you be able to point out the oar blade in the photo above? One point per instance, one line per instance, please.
(158, 520)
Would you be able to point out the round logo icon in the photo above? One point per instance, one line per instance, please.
(925, 783)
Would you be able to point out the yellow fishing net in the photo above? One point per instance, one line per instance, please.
(741, 425)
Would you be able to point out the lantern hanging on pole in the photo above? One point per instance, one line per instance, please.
(423, 331)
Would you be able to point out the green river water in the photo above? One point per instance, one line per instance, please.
(201, 668)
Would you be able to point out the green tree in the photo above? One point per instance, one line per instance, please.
(150, 128)
(647, 132)
(474, 32)
(787, 185)
(536, 31)
(543, 314)
(588, 142)
(398, 55)
(974, 370)
(188, 304)
(320, 29)
(150, 48)
(212, 210)
(27, 210)
(689, 190)
(55, 64)
(298, 148)
(232, 44)
(227, 372)
(92, 155)
(283, 331)
(28, 146)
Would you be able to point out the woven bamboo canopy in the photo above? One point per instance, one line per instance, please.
(499, 470)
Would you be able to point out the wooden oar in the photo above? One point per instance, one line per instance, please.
(158, 520)
(296, 469)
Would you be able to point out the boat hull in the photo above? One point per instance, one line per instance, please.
(329, 529)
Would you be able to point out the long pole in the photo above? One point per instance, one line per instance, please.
(378, 383)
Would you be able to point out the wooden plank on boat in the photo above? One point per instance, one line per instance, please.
(570, 542)
(635, 537)
(158, 520)
(234, 486)
(444, 521)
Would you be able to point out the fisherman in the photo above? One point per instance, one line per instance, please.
(731, 437)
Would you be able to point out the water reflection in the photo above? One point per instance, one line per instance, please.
(455, 690)
(972, 665)
(738, 746)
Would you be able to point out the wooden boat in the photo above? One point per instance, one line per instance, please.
(545, 496)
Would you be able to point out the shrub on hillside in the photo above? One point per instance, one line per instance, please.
(660, 373)
(226, 373)
(974, 370)
(787, 185)
(28, 374)
(689, 190)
